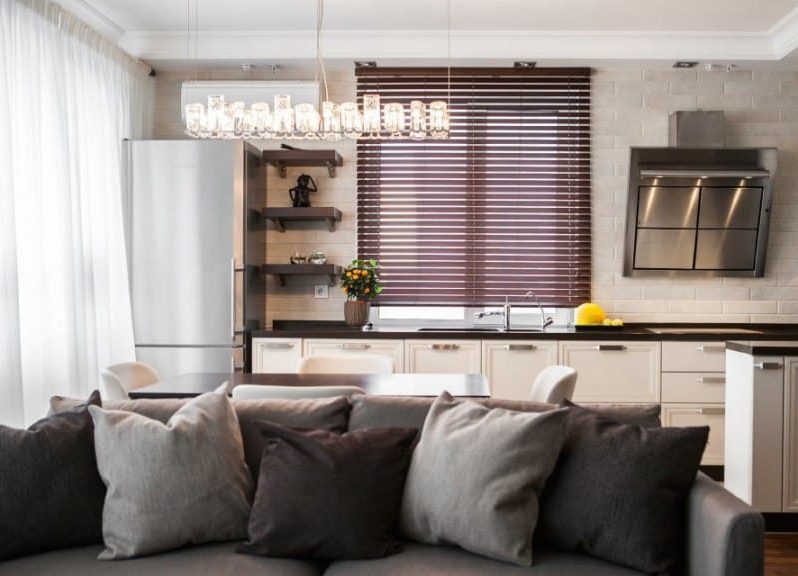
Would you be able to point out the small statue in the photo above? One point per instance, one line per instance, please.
(300, 194)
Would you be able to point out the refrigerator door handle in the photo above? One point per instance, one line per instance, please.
(232, 299)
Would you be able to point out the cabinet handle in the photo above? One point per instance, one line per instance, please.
(712, 411)
(444, 346)
(711, 379)
(354, 346)
(278, 345)
(521, 347)
(768, 365)
(609, 347)
(711, 348)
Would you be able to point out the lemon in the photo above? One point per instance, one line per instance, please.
(589, 313)
(607, 322)
(617, 322)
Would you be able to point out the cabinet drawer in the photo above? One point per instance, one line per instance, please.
(327, 346)
(276, 355)
(613, 371)
(443, 356)
(693, 356)
(511, 366)
(707, 387)
(700, 415)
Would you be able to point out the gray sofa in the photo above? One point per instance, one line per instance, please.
(723, 536)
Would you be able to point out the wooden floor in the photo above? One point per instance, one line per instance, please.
(781, 555)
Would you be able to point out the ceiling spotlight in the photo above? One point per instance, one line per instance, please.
(685, 64)
(365, 64)
(525, 64)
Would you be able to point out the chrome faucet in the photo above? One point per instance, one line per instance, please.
(544, 322)
(505, 313)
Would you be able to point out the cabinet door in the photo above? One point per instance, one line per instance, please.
(694, 387)
(614, 371)
(790, 435)
(511, 366)
(443, 356)
(326, 346)
(276, 355)
(681, 415)
(693, 356)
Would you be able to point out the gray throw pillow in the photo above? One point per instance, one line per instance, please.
(169, 485)
(476, 475)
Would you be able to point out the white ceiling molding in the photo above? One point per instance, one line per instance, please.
(94, 18)
(785, 34)
(426, 45)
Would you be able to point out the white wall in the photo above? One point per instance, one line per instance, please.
(630, 108)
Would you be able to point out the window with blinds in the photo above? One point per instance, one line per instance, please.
(500, 208)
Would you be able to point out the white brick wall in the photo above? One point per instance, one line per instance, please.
(630, 108)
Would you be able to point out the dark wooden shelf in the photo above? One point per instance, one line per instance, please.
(282, 215)
(281, 159)
(281, 271)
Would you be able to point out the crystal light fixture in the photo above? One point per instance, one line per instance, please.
(234, 120)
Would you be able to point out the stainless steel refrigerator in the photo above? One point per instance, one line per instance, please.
(194, 241)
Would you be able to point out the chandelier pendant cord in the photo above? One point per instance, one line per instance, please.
(319, 58)
(449, 54)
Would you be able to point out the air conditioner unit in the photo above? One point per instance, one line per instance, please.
(248, 92)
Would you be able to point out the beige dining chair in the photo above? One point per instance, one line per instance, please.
(119, 379)
(346, 364)
(554, 384)
(260, 392)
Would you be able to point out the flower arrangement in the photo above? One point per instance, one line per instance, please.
(360, 280)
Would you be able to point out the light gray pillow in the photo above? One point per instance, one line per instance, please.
(169, 485)
(476, 475)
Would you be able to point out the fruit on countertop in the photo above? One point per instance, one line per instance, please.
(589, 313)
(617, 322)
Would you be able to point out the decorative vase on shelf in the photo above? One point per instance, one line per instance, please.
(356, 312)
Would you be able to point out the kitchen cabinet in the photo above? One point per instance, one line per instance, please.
(276, 355)
(693, 356)
(694, 387)
(681, 415)
(790, 481)
(512, 365)
(614, 371)
(325, 346)
(443, 356)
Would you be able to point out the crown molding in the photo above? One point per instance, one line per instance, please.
(784, 34)
(94, 18)
(427, 45)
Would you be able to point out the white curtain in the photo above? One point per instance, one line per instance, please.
(67, 99)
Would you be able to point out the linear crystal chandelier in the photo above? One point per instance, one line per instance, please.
(331, 121)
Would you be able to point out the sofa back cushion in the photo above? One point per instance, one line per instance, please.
(51, 495)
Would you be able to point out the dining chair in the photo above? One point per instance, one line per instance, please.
(127, 376)
(554, 384)
(346, 364)
(260, 392)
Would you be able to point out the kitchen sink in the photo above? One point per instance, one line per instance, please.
(704, 330)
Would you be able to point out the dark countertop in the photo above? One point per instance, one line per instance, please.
(765, 347)
(720, 332)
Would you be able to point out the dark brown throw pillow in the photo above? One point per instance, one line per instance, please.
(619, 491)
(51, 495)
(327, 496)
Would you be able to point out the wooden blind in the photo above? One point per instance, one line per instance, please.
(499, 208)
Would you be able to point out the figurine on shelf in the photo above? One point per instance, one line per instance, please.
(300, 194)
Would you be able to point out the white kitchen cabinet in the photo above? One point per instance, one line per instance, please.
(512, 365)
(694, 387)
(614, 371)
(688, 356)
(790, 498)
(681, 415)
(276, 355)
(443, 356)
(394, 349)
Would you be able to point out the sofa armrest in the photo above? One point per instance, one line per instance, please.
(725, 536)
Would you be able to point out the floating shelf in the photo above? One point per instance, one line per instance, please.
(281, 271)
(281, 159)
(282, 215)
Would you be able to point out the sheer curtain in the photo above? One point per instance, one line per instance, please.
(67, 99)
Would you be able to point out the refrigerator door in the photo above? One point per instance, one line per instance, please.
(182, 262)
(172, 362)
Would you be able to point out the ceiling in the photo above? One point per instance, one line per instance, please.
(416, 29)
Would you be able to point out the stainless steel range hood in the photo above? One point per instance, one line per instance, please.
(698, 211)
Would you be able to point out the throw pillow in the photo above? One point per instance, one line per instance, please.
(327, 496)
(183, 482)
(619, 491)
(476, 475)
(51, 495)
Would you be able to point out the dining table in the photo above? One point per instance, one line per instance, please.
(430, 385)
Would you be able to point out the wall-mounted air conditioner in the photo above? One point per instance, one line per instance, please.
(248, 91)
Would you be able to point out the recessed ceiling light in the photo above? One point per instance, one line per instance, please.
(365, 64)
(685, 64)
(525, 64)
